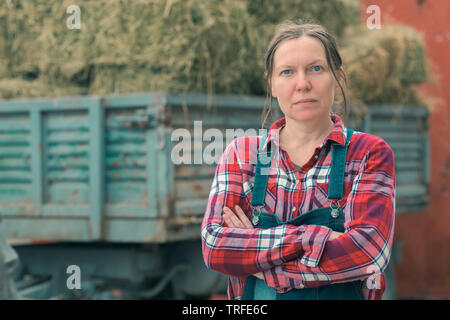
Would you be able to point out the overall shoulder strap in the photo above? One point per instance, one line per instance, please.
(261, 175)
(339, 156)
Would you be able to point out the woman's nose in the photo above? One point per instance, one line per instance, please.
(302, 82)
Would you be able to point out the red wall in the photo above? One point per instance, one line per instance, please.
(424, 271)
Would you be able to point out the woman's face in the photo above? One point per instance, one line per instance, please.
(300, 72)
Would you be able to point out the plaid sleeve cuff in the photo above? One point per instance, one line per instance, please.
(313, 243)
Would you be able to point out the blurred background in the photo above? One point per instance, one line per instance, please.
(86, 117)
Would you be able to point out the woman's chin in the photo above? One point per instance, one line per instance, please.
(306, 115)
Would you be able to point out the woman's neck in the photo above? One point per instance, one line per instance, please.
(297, 134)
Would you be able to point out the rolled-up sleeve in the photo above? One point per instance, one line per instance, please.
(242, 252)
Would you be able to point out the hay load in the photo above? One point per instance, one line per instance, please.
(189, 46)
(384, 65)
(129, 46)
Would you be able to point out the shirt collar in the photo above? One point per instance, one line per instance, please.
(337, 134)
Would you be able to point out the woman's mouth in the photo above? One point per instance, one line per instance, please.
(304, 102)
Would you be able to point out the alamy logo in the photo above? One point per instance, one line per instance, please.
(74, 280)
(74, 20)
(374, 281)
(189, 148)
(374, 20)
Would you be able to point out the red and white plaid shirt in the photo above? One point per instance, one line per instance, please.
(301, 257)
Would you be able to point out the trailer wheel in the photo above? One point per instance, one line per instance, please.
(197, 280)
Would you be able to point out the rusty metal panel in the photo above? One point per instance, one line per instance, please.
(125, 158)
(65, 154)
(99, 163)
(133, 156)
(405, 129)
(15, 159)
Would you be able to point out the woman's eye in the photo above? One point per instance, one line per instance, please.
(317, 68)
(286, 72)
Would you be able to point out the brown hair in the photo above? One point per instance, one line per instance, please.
(295, 29)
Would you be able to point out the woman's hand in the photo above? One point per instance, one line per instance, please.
(236, 220)
(239, 220)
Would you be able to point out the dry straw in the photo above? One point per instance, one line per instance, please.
(214, 46)
(383, 66)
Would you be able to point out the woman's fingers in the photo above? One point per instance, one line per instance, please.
(234, 220)
(226, 217)
(245, 221)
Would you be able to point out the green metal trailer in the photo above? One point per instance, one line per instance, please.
(92, 182)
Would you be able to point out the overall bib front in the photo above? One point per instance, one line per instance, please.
(332, 217)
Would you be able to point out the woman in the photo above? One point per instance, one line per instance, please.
(306, 211)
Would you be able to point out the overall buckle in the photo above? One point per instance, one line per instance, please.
(255, 215)
(335, 207)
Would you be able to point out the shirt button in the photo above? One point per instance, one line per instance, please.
(301, 286)
(293, 209)
(316, 157)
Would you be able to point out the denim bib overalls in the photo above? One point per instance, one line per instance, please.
(332, 217)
